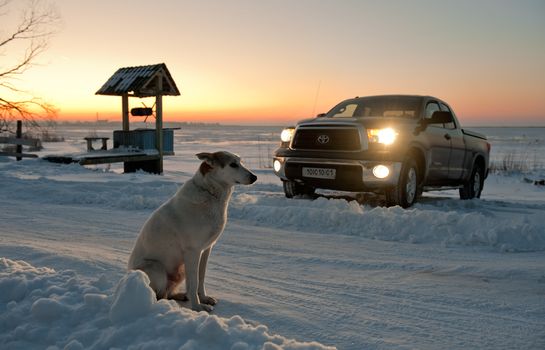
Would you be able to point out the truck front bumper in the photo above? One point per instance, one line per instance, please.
(338, 174)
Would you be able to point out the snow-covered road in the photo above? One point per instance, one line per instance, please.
(446, 274)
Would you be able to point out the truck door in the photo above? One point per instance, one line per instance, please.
(458, 147)
(439, 148)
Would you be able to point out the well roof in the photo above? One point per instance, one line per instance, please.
(140, 81)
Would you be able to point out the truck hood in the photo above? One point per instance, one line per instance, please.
(368, 123)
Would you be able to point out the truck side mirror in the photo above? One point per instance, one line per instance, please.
(440, 117)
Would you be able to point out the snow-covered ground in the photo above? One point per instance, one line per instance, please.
(293, 274)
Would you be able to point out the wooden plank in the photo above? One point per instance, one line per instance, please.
(115, 159)
(19, 135)
(125, 111)
(18, 155)
(159, 122)
(16, 141)
(60, 159)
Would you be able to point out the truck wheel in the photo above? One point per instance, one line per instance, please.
(474, 186)
(293, 189)
(406, 192)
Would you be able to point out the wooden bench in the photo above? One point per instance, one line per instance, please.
(90, 140)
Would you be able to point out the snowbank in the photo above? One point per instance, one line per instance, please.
(44, 308)
(454, 222)
(43, 182)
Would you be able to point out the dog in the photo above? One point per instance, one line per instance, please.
(175, 242)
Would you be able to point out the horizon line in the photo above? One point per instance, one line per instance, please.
(258, 124)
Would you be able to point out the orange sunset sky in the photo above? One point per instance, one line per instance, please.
(277, 61)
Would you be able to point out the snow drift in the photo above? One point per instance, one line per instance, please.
(454, 222)
(44, 308)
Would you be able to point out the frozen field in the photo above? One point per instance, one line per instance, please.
(293, 274)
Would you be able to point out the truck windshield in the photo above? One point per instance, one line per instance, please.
(378, 106)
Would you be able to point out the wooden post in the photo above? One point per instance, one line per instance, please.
(159, 122)
(125, 111)
(19, 135)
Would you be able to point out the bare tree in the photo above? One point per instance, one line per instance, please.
(23, 43)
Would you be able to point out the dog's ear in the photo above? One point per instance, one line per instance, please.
(208, 162)
(207, 157)
(215, 159)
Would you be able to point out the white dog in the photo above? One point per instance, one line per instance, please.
(175, 242)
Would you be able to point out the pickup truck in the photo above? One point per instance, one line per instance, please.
(396, 145)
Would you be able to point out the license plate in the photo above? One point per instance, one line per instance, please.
(319, 173)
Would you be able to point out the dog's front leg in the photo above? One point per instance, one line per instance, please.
(192, 260)
(203, 297)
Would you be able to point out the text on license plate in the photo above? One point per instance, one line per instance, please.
(320, 173)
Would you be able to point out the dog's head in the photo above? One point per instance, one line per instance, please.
(226, 168)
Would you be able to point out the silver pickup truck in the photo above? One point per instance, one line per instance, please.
(397, 145)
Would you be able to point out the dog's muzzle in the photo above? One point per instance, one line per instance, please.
(253, 178)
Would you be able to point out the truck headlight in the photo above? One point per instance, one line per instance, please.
(287, 134)
(385, 136)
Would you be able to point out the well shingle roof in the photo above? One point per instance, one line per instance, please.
(140, 81)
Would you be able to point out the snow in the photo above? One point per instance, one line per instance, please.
(49, 309)
(289, 274)
(425, 223)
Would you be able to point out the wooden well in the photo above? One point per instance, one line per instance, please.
(142, 81)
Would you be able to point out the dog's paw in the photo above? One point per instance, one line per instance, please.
(208, 300)
(203, 307)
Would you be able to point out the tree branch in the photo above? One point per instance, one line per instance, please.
(32, 52)
(38, 23)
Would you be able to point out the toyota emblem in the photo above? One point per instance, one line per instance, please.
(323, 139)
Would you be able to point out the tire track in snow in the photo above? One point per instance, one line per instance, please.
(346, 295)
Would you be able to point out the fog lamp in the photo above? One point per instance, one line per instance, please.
(381, 171)
(277, 165)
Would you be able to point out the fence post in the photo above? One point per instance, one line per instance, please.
(19, 135)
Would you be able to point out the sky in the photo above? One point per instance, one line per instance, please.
(278, 61)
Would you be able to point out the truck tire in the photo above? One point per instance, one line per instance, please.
(407, 190)
(293, 189)
(474, 185)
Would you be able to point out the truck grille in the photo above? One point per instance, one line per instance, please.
(327, 138)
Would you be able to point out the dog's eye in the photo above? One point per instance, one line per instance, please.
(233, 165)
